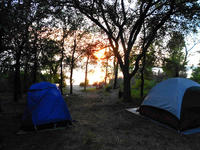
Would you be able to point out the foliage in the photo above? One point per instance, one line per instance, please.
(105, 63)
(135, 89)
(19, 39)
(48, 77)
(71, 23)
(82, 84)
(196, 74)
(25, 27)
(125, 22)
(48, 59)
(175, 64)
(108, 88)
(148, 84)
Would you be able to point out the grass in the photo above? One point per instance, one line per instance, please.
(102, 124)
(89, 89)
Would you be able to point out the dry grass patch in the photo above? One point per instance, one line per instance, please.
(101, 124)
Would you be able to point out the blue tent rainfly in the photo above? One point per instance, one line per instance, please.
(45, 107)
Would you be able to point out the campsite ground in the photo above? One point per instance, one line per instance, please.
(102, 123)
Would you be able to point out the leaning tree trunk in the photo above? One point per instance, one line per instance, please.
(142, 84)
(142, 77)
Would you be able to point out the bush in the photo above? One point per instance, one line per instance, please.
(196, 74)
(148, 84)
(135, 90)
(6, 82)
(82, 84)
(95, 84)
(108, 88)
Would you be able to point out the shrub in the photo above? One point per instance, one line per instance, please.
(135, 90)
(82, 84)
(108, 88)
(148, 84)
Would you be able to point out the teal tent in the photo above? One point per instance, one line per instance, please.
(174, 102)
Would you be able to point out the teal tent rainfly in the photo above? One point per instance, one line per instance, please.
(174, 102)
(46, 108)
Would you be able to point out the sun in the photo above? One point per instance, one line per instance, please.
(100, 54)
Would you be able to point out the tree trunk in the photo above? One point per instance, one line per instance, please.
(35, 59)
(71, 80)
(61, 62)
(27, 58)
(177, 71)
(61, 73)
(127, 88)
(51, 75)
(17, 80)
(26, 77)
(106, 73)
(86, 70)
(72, 68)
(142, 77)
(35, 67)
(142, 85)
(116, 66)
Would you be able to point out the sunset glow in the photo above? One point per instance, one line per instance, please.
(100, 54)
(97, 75)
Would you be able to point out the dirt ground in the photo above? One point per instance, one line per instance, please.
(102, 123)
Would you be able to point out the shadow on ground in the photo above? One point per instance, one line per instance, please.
(101, 124)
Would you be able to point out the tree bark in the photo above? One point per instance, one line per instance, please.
(51, 75)
(127, 88)
(61, 73)
(177, 71)
(142, 77)
(26, 77)
(72, 68)
(86, 70)
(17, 79)
(71, 80)
(116, 66)
(106, 73)
(61, 62)
(35, 67)
(133, 36)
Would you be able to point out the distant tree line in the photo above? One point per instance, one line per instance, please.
(42, 39)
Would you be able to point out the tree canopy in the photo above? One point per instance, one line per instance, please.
(130, 26)
(124, 21)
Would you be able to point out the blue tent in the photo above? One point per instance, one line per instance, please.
(45, 106)
(176, 103)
